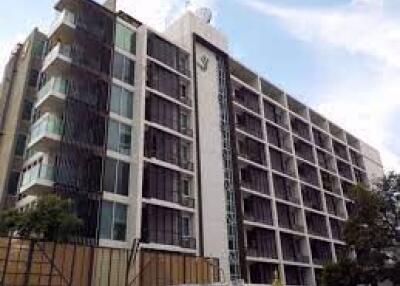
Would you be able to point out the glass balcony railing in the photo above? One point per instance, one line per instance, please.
(58, 50)
(39, 171)
(48, 123)
(55, 84)
(64, 17)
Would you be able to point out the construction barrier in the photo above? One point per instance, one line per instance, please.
(35, 263)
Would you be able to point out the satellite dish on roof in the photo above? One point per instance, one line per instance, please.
(205, 14)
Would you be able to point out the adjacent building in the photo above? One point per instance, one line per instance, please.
(17, 96)
(167, 139)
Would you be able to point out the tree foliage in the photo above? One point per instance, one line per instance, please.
(372, 235)
(50, 219)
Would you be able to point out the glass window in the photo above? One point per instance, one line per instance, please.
(12, 186)
(119, 137)
(125, 38)
(116, 177)
(123, 178)
(184, 121)
(20, 145)
(115, 102)
(126, 103)
(33, 77)
(106, 220)
(185, 226)
(124, 69)
(38, 48)
(121, 101)
(125, 139)
(113, 135)
(27, 110)
(109, 175)
(119, 229)
(118, 66)
(186, 187)
(113, 221)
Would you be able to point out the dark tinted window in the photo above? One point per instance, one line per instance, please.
(12, 186)
(27, 110)
(33, 77)
(20, 145)
(123, 178)
(124, 69)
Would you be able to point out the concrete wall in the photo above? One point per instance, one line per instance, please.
(212, 170)
(372, 161)
(181, 31)
(14, 83)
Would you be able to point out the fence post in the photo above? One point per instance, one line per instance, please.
(29, 262)
(52, 263)
(2, 281)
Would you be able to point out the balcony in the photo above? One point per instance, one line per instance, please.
(52, 95)
(330, 182)
(261, 243)
(248, 123)
(326, 161)
(321, 251)
(63, 26)
(168, 185)
(251, 150)
(316, 224)
(293, 247)
(308, 173)
(276, 114)
(286, 189)
(300, 128)
(279, 138)
(337, 229)
(297, 275)
(46, 133)
(335, 206)
(340, 150)
(290, 217)
(257, 209)
(322, 140)
(303, 150)
(247, 98)
(168, 148)
(312, 198)
(165, 226)
(282, 162)
(262, 273)
(357, 159)
(58, 59)
(37, 179)
(254, 178)
(344, 170)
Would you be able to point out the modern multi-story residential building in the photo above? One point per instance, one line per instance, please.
(17, 95)
(167, 139)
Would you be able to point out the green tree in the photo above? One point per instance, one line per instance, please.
(51, 219)
(372, 235)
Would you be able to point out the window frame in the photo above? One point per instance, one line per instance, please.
(127, 72)
(110, 234)
(122, 147)
(126, 39)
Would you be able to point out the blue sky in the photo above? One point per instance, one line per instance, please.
(342, 57)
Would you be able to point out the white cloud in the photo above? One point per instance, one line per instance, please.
(366, 103)
(157, 13)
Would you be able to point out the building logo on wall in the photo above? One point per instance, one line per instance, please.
(203, 63)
